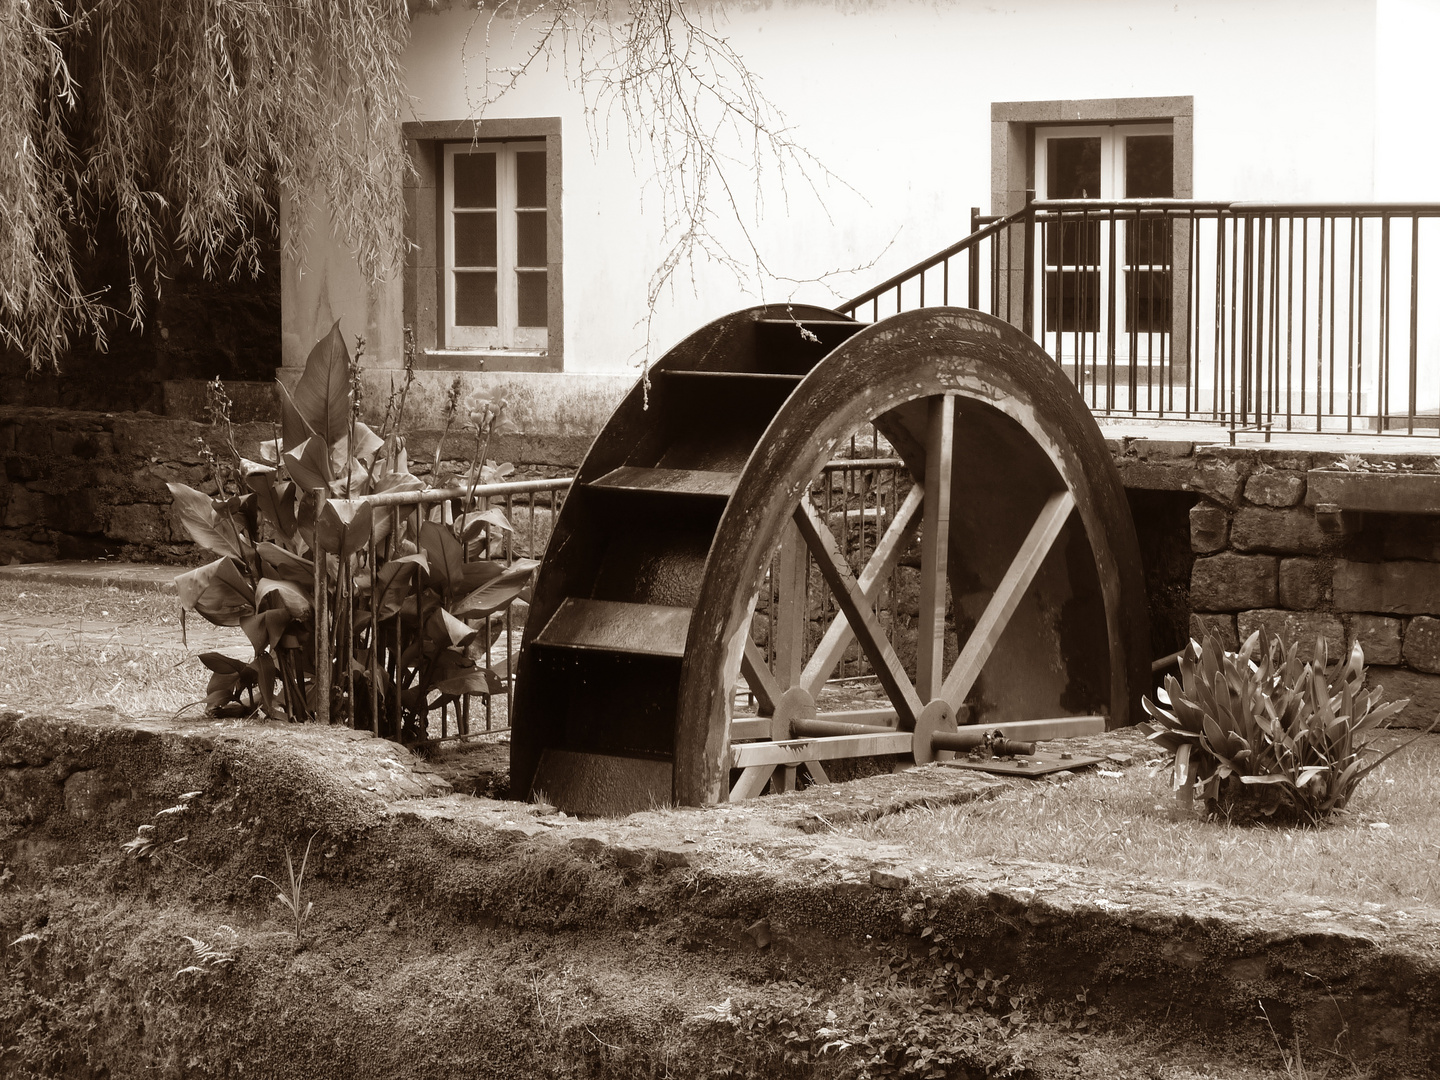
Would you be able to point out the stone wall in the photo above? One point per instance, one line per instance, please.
(1268, 556)
(84, 485)
(91, 485)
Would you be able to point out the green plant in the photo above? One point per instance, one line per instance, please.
(1267, 736)
(207, 957)
(293, 898)
(146, 844)
(405, 594)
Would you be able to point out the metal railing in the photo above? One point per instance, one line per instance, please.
(1268, 316)
(529, 506)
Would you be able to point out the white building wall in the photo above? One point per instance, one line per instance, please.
(894, 96)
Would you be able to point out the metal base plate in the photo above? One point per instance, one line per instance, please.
(1031, 765)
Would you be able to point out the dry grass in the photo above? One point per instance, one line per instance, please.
(87, 645)
(1383, 851)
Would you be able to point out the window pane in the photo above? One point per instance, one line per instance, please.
(1072, 168)
(1149, 161)
(1147, 242)
(1147, 301)
(1072, 300)
(475, 239)
(530, 178)
(475, 180)
(1073, 241)
(533, 309)
(475, 303)
(530, 239)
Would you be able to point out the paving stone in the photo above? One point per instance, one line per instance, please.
(1229, 582)
(1220, 627)
(627, 857)
(672, 858)
(1209, 527)
(1304, 584)
(1379, 637)
(888, 878)
(1396, 588)
(1285, 531)
(1295, 627)
(1220, 480)
(1162, 449)
(588, 846)
(1176, 475)
(1422, 644)
(1269, 488)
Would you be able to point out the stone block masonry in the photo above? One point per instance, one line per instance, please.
(1268, 558)
(90, 485)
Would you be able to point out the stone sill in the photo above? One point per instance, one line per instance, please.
(1373, 492)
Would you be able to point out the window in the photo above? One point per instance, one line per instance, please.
(483, 282)
(1111, 162)
(495, 245)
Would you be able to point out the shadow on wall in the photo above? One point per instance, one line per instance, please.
(1162, 525)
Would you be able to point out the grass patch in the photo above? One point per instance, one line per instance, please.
(87, 645)
(1381, 851)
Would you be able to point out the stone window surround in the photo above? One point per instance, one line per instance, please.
(1012, 172)
(1012, 138)
(424, 269)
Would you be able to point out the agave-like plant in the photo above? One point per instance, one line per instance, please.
(1260, 733)
(406, 594)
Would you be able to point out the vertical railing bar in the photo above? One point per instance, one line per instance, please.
(1221, 382)
(1383, 394)
(1247, 313)
(1112, 313)
(1357, 282)
(397, 706)
(322, 622)
(1304, 302)
(972, 276)
(1414, 322)
(1334, 222)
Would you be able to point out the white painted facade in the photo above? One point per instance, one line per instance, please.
(1293, 100)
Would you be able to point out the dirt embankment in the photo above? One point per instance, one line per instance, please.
(454, 936)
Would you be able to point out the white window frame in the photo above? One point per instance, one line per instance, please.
(1112, 176)
(508, 335)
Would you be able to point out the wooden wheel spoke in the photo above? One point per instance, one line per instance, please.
(1008, 593)
(848, 594)
(839, 633)
(759, 677)
(935, 547)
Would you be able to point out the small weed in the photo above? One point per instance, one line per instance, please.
(293, 899)
(146, 844)
(208, 958)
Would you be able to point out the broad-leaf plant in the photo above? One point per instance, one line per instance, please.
(1260, 734)
(407, 595)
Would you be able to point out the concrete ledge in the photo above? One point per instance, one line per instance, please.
(1377, 492)
(132, 577)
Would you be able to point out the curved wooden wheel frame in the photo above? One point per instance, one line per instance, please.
(640, 624)
(924, 378)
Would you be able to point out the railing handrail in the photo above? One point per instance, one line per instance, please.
(431, 496)
(1246, 208)
(954, 249)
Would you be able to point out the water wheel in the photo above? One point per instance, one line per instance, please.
(688, 506)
